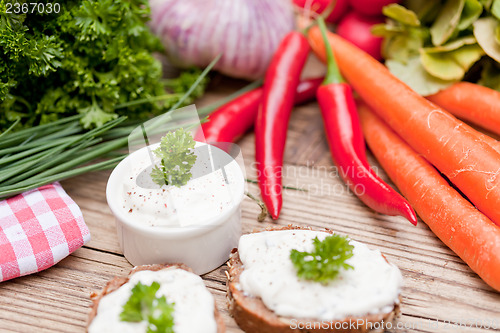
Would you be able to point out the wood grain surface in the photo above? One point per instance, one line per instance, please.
(440, 292)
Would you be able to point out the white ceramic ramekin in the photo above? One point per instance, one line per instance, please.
(203, 247)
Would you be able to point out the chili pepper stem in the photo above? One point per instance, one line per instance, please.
(305, 22)
(263, 210)
(333, 73)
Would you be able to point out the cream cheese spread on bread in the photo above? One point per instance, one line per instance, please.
(193, 310)
(373, 286)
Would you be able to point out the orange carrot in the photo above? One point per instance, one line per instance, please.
(459, 153)
(472, 102)
(465, 230)
(495, 144)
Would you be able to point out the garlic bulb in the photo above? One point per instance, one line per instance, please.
(245, 32)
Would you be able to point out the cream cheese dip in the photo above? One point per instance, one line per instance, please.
(373, 286)
(193, 310)
(197, 224)
(202, 198)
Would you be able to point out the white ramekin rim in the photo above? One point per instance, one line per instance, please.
(162, 232)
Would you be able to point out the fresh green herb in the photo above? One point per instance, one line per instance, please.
(176, 159)
(413, 71)
(284, 186)
(86, 59)
(401, 14)
(62, 149)
(326, 261)
(432, 44)
(143, 304)
(491, 75)
(485, 31)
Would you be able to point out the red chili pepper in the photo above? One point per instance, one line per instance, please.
(280, 84)
(229, 122)
(347, 144)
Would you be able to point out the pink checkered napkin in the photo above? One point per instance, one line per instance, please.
(38, 228)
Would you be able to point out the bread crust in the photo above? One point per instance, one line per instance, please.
(117, 282)
(251, 314)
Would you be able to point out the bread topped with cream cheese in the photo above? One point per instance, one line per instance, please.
(194, 307)
(266, 294)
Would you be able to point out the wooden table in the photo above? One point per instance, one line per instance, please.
(438, 287)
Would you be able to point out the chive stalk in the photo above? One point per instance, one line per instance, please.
(32, 157)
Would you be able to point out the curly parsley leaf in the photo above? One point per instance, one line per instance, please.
(161, 319)
(90, 58)
(143, 304)
(140, 302)
(177, 158)
(326, 260)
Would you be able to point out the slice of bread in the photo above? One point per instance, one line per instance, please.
(117, 282)
(252, 315)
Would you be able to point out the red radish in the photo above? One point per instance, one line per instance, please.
(370, 7)
(319, 6)
(356, 28)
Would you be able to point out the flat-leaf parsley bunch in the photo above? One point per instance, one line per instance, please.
(176, 159)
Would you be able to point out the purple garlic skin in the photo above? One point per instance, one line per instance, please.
(245, 32)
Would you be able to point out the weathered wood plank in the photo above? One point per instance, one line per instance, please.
(438, 288)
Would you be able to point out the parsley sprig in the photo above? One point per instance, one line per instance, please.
(143, 304)
(89, 58)
(325, 261)
(177, 159)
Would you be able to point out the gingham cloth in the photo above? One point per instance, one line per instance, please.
(38, 228)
